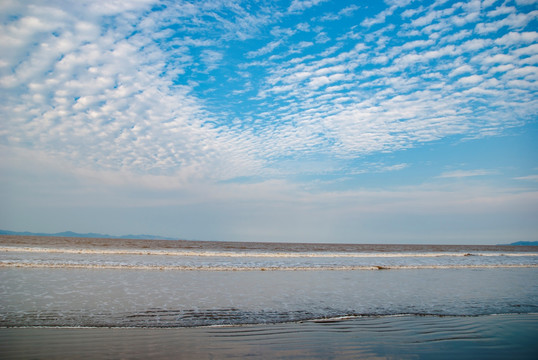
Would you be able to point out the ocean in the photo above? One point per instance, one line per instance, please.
(273, 295)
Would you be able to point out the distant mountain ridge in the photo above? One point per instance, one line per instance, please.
(88, 235)
(525, 243)
(155, 237)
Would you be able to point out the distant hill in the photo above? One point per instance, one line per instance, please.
(525, 243)
(88, 235)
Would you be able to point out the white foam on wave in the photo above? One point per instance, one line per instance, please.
(20, 264)
(260, 254)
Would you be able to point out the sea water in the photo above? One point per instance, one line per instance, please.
(178, 284)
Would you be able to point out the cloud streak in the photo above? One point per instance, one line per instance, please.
(466, 173)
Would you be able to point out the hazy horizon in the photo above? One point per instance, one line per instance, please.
(393, 121)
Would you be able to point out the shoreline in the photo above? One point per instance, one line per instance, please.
(259, 268)
(399, 336)
(54, 242)
(328, 320)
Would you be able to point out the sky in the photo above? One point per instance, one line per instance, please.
(372, 121)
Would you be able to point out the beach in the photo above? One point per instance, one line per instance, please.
(112, 298)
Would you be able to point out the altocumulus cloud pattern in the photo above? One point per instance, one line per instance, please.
(223, 89)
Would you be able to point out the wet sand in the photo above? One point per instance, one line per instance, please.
(398, 337)
(52, 242)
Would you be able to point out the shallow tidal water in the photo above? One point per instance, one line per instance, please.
(102, 298)
(394, 337)
(170, 298)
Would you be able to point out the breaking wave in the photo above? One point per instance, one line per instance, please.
(22, 264)
(238, 254)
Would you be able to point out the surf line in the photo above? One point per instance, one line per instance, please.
(255, 254)
(8, 264)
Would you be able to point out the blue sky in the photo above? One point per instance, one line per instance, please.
(393, 121)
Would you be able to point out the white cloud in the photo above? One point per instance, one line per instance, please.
(301, 5)
(498, 59)
(349, 10)
(417, 44)
(512, 21)
(461, 70)
(367, 92)
(501, 68)
(322, 38)
(385, 124)
(501, 10)
(325, 80)
(462, 34)
(211, 58)
(513, 38)
(345, 12)
(426, 56)
(528, 50)
(381, 17)
(265, 50)
(378, 19)
(298, 47)
(112, 7)
(104, 105)
(528, 178)
(526, 2)
(466, 173)
(475, 44)
(396, 167)
(473, 79)
(424, 20)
